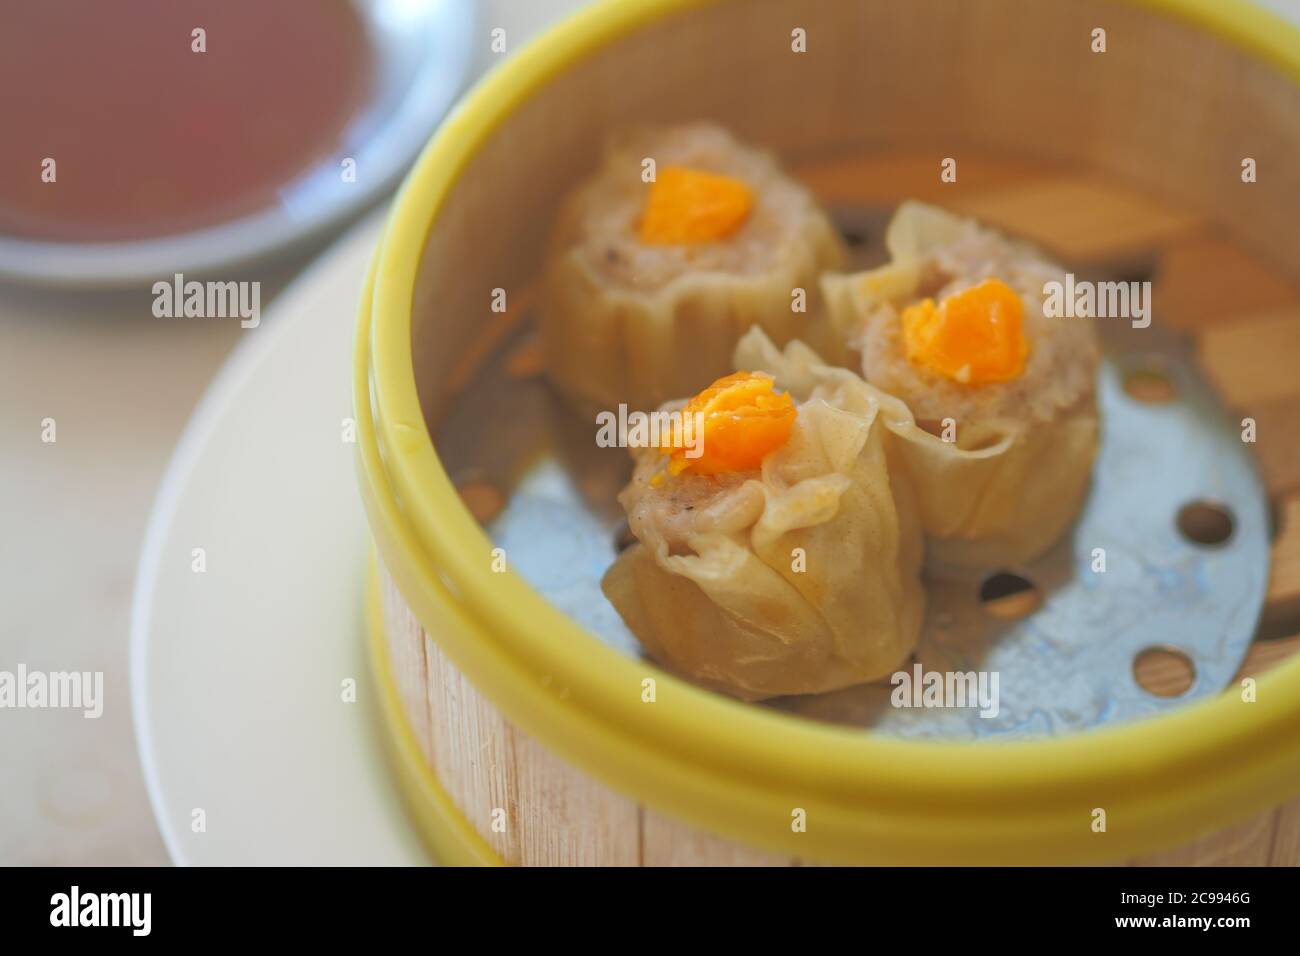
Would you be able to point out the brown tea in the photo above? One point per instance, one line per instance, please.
(142, 118)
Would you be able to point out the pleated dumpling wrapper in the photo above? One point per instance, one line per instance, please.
(648, 285)
(785, 558)
(1004, 395)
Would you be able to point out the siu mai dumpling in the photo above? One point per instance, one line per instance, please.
(648, 285)
(1005, 396)
(785, 558)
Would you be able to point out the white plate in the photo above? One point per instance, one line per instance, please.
(237, 672)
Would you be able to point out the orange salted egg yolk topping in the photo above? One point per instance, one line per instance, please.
(686, 205)
(744, 419)
(974, 337)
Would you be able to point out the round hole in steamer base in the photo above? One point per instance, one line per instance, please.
(1149, 384)
(1206, 523)
(1009, 595)
(1164, 671)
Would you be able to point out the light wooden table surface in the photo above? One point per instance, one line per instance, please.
(120, 385)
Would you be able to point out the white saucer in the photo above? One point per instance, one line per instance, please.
(237, 673)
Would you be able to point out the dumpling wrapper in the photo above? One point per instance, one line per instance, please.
(627, 322)
(1018, 473)
(711, 589)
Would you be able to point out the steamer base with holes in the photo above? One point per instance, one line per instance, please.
(1171, 549)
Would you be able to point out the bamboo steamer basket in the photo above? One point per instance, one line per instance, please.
(518, 737)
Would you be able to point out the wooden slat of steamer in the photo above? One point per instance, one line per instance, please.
(1277, 444)
(887, 178)
(1269, 838)
(554, 814)
(666, 842)
(1245, 844)
(1080, 218)
(1251, 361)
(1286, 836)
(1205, 279)
(409, 666)
(1251, 358)
(1283, 602)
